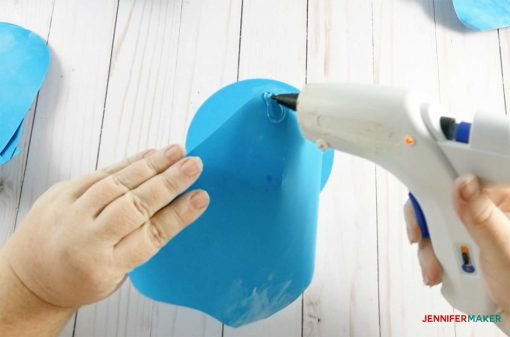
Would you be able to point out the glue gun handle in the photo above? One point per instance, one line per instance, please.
(463, 284)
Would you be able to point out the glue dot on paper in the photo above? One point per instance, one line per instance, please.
(275, 112)
(322, 145)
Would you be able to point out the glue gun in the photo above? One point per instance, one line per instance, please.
(413, 139)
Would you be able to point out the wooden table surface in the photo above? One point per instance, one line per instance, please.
(130, 74)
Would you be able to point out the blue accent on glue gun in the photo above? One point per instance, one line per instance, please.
(463, 131)
(420, 217)
(468, 268)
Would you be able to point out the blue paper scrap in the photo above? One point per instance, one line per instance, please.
(252, 253)
(24, 62)
(483, 14)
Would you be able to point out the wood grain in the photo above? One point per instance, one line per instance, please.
(67, 125)
(344, 290)
(129, 74)
(504, 45)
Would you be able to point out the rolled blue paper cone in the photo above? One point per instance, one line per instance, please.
(252, 253)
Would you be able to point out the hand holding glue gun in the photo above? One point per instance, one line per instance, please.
(485, 213)
(464, 240)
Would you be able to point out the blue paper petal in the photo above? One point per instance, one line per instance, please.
(483, 14)
(24, 60)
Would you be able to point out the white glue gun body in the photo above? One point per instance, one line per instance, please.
(405, 134)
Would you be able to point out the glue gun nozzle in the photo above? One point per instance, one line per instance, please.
(287, 100)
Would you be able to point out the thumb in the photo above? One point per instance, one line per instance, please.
(486, 223)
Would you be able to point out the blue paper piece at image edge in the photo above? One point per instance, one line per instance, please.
(12, 149)
(252, 253)
(483, 14)
(24, 61)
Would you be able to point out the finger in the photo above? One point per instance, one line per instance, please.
(430, 267)
(500, 196)
(117, 184)
(504, 322)
(488, 225)
(82, 184)
(136, 207)
(126, 162)
(143, 243)
(413, 230)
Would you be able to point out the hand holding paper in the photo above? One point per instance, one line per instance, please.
(81, 237)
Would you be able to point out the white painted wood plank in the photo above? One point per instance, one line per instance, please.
(404, 299)
(469, 66)
(273, 45)
(470, 80)
(67, 124)
(30, 14)
(405, 56)
(343, 297)
(273, 41)
(504, 43)
(34, 15)
(340, 41)
(344, 290)
(404, 45)
(168, 58)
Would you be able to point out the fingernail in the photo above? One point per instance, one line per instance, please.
(199, 199)
(191, 166)
(426, 280)
(470, 188)
(172, 152)
(413, 239)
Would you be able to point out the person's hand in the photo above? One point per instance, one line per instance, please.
(485, 211)
(81, 237)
